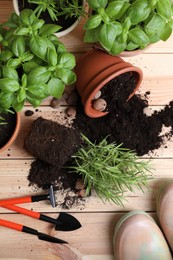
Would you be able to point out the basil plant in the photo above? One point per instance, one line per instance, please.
(119, 25)
(34, 64)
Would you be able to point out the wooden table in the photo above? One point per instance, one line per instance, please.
(94, 239)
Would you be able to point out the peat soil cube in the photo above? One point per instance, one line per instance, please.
(51, 142)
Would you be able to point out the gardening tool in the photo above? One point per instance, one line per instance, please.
(64, 222)
(31, 231)
(50, 196)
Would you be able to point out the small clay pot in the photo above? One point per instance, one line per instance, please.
(96, 68)
(14, 135)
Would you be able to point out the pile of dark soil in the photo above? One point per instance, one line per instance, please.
(44, 174)
(112, 91)
(126, 124)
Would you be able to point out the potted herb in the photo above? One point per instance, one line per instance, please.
(9, 128)
(117, 26)
(65, 13)
(110, 169)
(95, 70)
(34, 64)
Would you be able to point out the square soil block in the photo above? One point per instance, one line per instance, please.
(51, 142)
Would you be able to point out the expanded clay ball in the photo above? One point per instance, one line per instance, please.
(99, 104)
(55, 103)
(97, 95)
(71, 111)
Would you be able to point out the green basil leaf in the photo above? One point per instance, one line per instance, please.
(18, 45)
(27, 56)
(18, 105)
(67, 60)
(5, 55)
(131, 46)
(138, 36)
(67, 76)
(163, 8)
(7, 99)
(108, 34)
(28, 66)
(154, 27)
(38, 75)
(118, 46)
(95, 4)
(152, 3)
(56, 87)
(52, 57)
(93, 22)
(9, 85)
(166, 33)
(60, 48)
(92, 35)
(9, 34)
(14, 62)
(33, 100)
(27, 17)
(116, 9)
(24, 80)
(21, 31)
(38, 91)
(138, 11)
(10, 73)
(39, 46)
(38, 24)
(48, 29)
(21, 96)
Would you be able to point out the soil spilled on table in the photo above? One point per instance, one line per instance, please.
(126, 124)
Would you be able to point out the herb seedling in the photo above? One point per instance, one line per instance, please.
(2, 121)
(45, 5)
(110, 169)
(69, 8)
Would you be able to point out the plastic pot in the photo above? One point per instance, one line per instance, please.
(14, 134)
(96, 68)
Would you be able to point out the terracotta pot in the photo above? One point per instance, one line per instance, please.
(14, 135)
(96, 68)
(58, 34)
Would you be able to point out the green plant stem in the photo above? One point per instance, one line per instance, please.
(110, 170)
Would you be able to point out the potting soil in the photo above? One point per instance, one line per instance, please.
(126, 124)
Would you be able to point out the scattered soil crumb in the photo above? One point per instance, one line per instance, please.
(29, 113)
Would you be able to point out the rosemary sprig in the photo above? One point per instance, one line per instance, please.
(110, 169)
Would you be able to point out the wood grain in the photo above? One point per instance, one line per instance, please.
(94, 240)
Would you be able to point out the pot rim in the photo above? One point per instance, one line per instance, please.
(15, 133)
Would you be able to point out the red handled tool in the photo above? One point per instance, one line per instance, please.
(64, 222)
(31, 231)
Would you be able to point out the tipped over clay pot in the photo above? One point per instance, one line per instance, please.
(95, 69)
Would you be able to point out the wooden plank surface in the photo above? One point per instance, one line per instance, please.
(94, 240)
